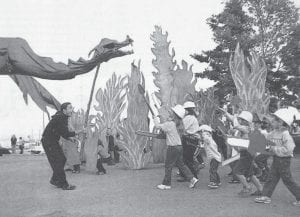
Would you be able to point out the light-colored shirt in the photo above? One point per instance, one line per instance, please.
(284, 143)
(169, 127)
(211, 147)
(190, 124)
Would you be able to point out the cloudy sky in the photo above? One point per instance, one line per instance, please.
(70, 28)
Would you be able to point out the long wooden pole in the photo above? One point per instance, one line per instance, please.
(88, 111)
(91, 97)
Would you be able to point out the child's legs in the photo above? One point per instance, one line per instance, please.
(189, 148)
(262, 161)
(285, 174)
(232, 165)
(100, 166)
(182, 167)
(272, 180)
(241, 168)
(171, 158)
(256, 182)
(243, 180)
(213, 174)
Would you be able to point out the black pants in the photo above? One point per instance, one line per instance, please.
(100, 166)
(213, 171)
(174, 158)
(21, 149)
(189, 148)
(281, 169)
(262, 161)
(57, 161)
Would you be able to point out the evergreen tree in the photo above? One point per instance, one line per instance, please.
(263, 26)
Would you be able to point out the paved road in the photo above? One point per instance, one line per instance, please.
(25, 192)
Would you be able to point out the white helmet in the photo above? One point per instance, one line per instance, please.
(285, 115)
(179, 110)
(189, 104)
(295, 112)
(205, 128)
(247, 116)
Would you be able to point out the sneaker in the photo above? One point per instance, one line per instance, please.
(262, 199)
(296, 203)
(256, 193)
(213, 185)
(55, 183)
(100, 173)
(193, 182)
(245, 192)
(68, 187)
(164, 187)
(233, 181)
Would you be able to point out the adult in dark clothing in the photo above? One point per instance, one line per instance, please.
(113, 149)
(56, 128)
(21, 145)
(13, 141)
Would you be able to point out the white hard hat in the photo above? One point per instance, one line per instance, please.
(247, 116)
(295, 112)
(205, 128)
(189, 104)
(285, 115)
(179, 110)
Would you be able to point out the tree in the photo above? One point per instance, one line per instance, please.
(275, 21)
(230, 27)
(263, 26)
(291, 64)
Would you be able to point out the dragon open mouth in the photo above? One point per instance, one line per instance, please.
(113, 46)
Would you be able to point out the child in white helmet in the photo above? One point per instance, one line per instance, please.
(244, 166)
(282, 148)
(174, 147)
(213, 155)
(190, 138)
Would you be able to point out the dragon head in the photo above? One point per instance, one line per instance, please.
(111, 48)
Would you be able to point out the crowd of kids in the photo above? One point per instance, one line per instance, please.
(185, 139)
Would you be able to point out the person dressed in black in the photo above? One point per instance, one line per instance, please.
(56, 128)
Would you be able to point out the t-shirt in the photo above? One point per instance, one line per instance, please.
(172, 136)
(190, 124)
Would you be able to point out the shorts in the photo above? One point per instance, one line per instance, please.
(244, 165)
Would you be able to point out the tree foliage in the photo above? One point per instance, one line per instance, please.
(262, 26)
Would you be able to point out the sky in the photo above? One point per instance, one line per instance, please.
(71, 28)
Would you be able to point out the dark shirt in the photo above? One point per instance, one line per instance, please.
(57, 127)
(13, 141)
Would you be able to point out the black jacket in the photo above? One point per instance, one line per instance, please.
(56, 128)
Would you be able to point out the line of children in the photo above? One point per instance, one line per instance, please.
(282, 149)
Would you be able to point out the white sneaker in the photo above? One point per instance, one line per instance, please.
(164, 187)
(193, 182)
(263, 199)
(296, 203)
